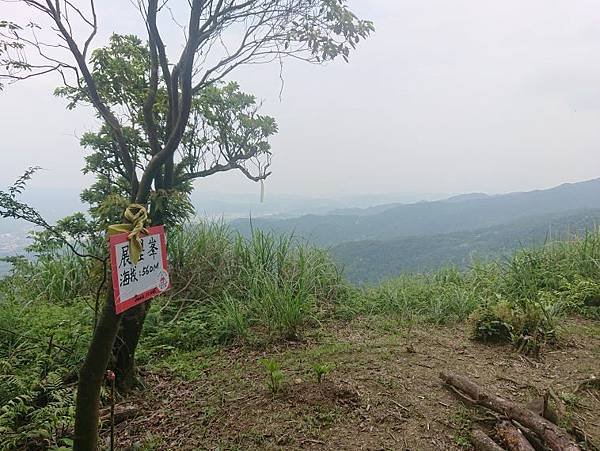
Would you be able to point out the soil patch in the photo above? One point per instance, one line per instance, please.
(384, 392)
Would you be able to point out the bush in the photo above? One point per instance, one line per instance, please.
(536, 288)
(41, 417)
(529, 327)
(41, 346)
(491, 325)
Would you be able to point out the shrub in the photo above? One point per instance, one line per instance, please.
(41, 345)
(491, 324)
(529, 326)
(39, 418)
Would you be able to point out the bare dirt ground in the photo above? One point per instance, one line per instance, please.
(384, 393)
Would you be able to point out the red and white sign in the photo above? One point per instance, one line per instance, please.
(134, 284)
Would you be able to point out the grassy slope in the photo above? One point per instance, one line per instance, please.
(235, 301)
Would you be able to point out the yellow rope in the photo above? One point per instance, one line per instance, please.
(136, 216)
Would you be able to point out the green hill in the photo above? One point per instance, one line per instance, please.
(371, 261)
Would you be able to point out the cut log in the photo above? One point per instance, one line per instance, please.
(482, 442)
(553, 436)
(512, 437)
(535, 441)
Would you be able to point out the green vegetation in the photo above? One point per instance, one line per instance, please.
(258, 292)
(275, 376)
(371, 261)
(321, 370)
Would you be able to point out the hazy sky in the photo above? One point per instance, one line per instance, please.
(468, 95)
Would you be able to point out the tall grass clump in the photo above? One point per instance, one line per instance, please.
(56, 277)
(234, 288)
(439, 298)
(537, 288)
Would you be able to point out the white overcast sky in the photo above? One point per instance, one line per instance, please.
(460, 96)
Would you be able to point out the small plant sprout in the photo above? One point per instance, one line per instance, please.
(321, 370)
(275, 376)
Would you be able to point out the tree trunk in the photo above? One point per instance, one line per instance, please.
(130, 331)
(92, 375)
(125, 345)
(552, 435)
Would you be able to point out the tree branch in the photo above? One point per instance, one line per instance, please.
(54, 12)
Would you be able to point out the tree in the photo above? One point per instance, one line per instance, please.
(224, 132)
(157, 150)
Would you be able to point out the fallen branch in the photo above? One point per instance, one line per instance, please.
(554, 437)
(592, 382)
(482, 442)
(512, 437)
(122, 413)
(542, 407)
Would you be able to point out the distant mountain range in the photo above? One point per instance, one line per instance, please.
(374, 241)
(54, 204)
(381, 241)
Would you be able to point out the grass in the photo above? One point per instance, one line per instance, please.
(462, 422)
(228, 289)
(261, 291)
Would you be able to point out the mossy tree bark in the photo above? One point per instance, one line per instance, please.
(91, 377)
(128, 337)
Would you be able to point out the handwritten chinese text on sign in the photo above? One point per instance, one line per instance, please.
(134, 284)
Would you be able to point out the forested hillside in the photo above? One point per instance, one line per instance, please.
(375, 243)
(371, 261)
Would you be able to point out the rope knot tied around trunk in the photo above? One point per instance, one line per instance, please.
(136, 217)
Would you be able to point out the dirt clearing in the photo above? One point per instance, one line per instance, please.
(384, 392)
